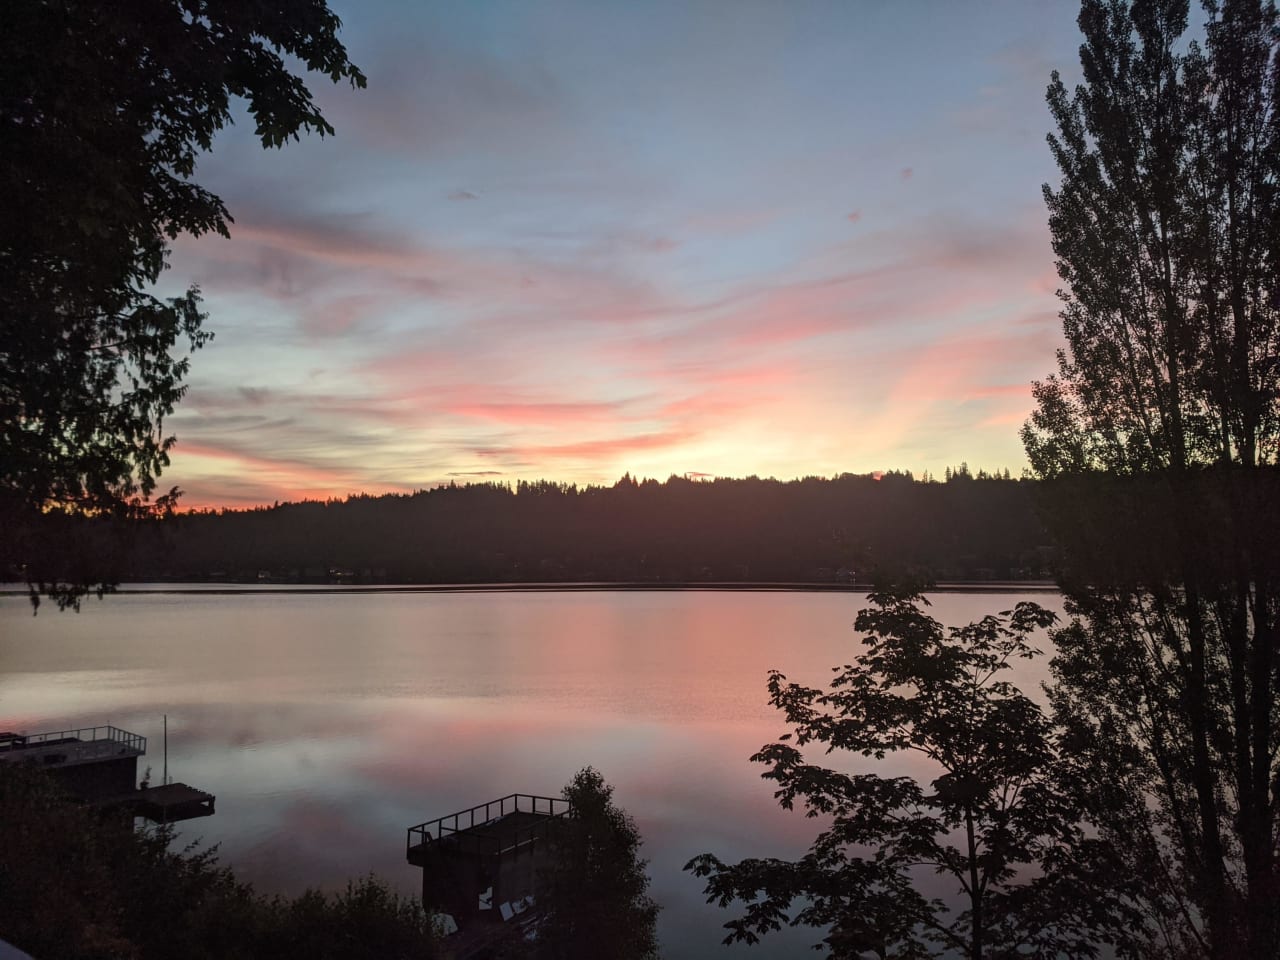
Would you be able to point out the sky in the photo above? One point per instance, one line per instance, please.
(568, 241)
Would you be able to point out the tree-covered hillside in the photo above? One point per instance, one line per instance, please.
(751, 530)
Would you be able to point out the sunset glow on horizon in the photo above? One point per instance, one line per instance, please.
(569, 241)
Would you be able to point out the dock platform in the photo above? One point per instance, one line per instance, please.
(99, 766)
(504, 834)
(168, 803)
(491, 829)
(480, 865)
(71, 747)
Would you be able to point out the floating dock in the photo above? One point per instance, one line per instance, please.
(168, 803)
(99, 766)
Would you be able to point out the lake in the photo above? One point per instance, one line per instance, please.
(328, 722)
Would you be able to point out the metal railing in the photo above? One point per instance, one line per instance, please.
(478, 829)
(78, 745)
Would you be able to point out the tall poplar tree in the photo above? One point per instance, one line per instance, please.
(1159, 438)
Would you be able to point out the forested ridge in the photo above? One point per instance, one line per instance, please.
(681, 530)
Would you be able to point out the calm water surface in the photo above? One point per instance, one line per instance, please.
(328, 723)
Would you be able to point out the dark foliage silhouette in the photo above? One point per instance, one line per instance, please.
(105, 110)
(751, 530)
(76, 886)
(594, 900)
(1160, 435)
(979, 857)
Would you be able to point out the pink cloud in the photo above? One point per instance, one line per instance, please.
(727, 390)
(708, 410)
(523, 358)
(307, 259)
(967, 267)
(558, 415)
(279, 477)
(1046, 281)
(811, 308)
(1041, 318)
(594, 449)
(1002, 390)
(339, 316)
(206, 411)
(935, 375)
(854, 216)
(1013, 418)
(336, 242)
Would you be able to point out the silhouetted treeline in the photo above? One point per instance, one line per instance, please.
(751, 530)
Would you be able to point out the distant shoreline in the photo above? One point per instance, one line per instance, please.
(206, 588)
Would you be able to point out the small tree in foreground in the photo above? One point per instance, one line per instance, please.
(992, 822)
(596, 896)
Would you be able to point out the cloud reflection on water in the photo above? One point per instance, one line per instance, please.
(327, 724)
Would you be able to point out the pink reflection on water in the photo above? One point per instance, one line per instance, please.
(326, 724)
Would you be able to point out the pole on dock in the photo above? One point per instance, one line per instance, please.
(166, 748)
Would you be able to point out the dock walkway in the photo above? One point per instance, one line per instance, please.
(168, 803)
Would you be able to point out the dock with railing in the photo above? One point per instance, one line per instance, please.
(492, 829)
(99, 767)
(69, 747)
(481, 864)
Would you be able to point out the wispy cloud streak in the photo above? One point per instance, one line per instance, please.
(528, 252)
